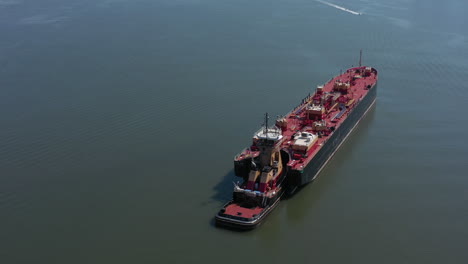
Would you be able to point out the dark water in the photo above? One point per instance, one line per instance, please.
(119, 121)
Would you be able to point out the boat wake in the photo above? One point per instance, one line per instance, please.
(339, 7)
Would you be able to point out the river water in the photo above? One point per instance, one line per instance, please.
(120, 119)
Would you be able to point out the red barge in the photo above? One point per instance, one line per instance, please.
(292, 153)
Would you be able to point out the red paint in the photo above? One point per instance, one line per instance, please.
(297, 119)
(237, 210)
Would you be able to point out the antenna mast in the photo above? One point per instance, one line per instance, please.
(360, 57)
(266, 125)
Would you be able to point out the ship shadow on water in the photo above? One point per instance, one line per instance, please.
(223, 190)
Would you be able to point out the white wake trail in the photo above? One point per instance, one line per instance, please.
(339, 7)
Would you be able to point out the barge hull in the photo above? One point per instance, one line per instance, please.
(309, 173)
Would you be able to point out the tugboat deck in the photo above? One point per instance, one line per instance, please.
(237, 210)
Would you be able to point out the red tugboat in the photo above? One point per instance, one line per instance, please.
(292, 153)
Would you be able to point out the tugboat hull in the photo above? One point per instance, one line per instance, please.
(232, 222)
